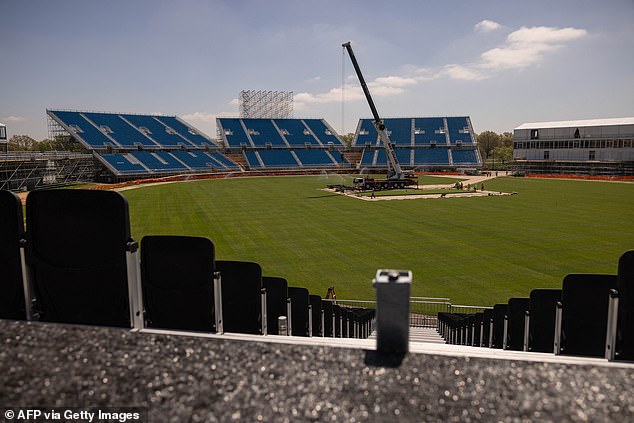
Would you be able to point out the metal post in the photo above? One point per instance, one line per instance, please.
(218, 303)
(322, 332)
(334, 325)
(473, 335)
(282, 328)
(613, 315)
(481, 332)
(289, 315)
(264, 328)
(557, 339)
(135, 297)
(527, 324)
(310, 320)
(490, 333)
(26, 282)
(393, 289)
(506, 333)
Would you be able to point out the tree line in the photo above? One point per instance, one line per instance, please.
(60, 143)
(495, 147)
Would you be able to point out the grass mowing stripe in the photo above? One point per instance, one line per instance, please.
(474, 250)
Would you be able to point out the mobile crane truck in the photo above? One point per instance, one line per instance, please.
(396, 177)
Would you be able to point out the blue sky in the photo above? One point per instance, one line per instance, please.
(501, 62)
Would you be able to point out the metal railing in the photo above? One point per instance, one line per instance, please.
(423, 310)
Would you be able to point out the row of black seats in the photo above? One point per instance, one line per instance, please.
(77, 263)
(592, 315)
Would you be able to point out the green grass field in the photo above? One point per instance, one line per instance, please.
(473, 250)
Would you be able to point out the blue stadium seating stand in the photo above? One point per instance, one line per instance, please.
(121, 131)
(123, 164)
(282, 143)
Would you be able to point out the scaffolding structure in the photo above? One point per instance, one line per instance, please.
(26, 171)
(266, 104)
(55, 131)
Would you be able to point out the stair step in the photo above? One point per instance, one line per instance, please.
(420, 335)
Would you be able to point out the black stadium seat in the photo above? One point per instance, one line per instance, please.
(177, 280)
(276, 295)
(241, 296)
(328, 317)
(299, 310)
(499, 311)
(487, 316)
(625, 287)
(338, 325)
(584, 302)
(541, 328)
(477, 323)
(315, 303)
(516, 314)
(77, 243)
(345, 322)
(11, 233)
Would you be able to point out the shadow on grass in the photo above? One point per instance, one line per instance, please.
(323, 196)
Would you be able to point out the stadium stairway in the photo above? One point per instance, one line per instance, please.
(428, 335)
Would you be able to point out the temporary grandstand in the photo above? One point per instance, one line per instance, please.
(593, 146)
(294, 144)
(140, 146)
(428, 143)
(133, 146)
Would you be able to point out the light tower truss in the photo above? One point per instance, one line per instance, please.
(266, 104)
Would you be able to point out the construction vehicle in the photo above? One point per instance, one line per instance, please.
(396, 177)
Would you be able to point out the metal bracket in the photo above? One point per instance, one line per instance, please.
(218, 303)
(527, 322)
(613, 316)
(393, 289)
(557, 338)
(264, 317)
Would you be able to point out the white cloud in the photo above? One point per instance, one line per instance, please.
(234, 102)
(15, 119)
(527, 46)
(465, 73)
(333, 95)
(381, 87)
(522, 48)
(199, 117)
(486, 26)
(314, 79)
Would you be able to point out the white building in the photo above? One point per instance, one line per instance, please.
(594, 146)
(3, 138)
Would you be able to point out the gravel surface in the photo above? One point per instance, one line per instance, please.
(180, 379)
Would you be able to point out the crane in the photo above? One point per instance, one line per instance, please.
(396, 177)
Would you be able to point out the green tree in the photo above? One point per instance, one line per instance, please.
(22, 143)
(507, 139)
(502, 155)
(487, 141)
(347, 139)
